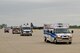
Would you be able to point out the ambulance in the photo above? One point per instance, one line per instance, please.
(57, 33)
(26, 29)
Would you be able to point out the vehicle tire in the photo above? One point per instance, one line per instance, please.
(12, 32)
(21, 35)
(55, 41)
(70, 42)
(45, 39)
(31, 35)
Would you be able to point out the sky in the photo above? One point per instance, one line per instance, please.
(39, 12)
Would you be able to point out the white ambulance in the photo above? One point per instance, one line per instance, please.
(26, 29)
(57, 33)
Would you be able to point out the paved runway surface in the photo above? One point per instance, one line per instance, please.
(14, 43)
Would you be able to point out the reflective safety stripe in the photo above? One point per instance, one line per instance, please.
(51, 34)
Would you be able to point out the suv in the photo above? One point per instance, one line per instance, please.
(16, 30)
(6, 30)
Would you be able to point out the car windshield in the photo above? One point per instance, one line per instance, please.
(16, 28)
(62, 31)
(26, 28)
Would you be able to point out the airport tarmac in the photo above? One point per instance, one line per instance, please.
(14, 43)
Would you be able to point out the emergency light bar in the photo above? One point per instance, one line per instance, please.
(60, 25)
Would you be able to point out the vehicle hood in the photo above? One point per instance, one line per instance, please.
(64, 34)
(26, 30)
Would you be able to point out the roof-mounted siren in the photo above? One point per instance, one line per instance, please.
(57, 25)
(60, 25)
(63, 25)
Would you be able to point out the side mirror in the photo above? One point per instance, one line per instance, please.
(72, 31)
(50, 31)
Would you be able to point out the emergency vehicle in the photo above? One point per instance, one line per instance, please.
(26, 29)
(57, 33)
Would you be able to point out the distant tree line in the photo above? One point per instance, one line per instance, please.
(3, 26)
(37, 27)
(74, 26)
(34, 27)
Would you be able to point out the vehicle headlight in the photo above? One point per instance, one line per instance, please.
(70, 35)
(58, 36)
(29, 32)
